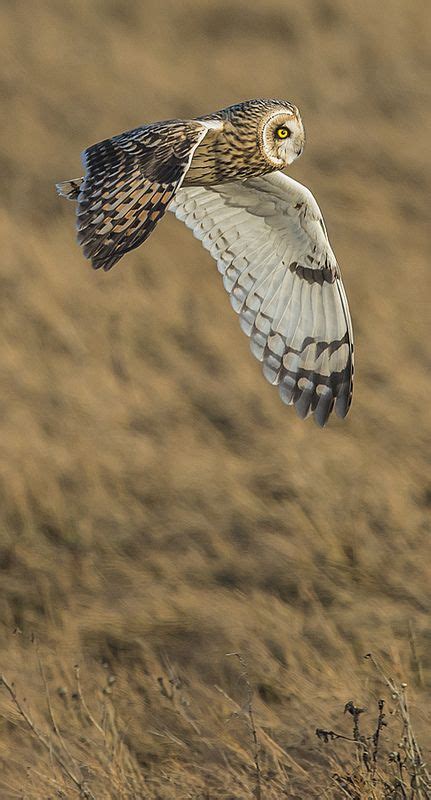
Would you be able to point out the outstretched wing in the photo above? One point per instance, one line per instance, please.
(128, 184)
(270, 243)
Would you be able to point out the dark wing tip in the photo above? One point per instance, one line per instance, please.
(316, 395)
(324, 407)
(105, 262)
(344, 400)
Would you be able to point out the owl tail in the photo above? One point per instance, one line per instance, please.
(69, 189)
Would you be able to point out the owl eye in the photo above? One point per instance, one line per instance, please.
(283, 133)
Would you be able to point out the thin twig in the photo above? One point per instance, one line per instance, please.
(327, 736)
(83, 789)
(376, 735)
(84, 704)
(356, 712)
(252, 725)
(51, 712)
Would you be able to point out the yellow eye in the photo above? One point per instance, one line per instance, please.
(283, 133)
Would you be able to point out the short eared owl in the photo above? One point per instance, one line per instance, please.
(221, 175)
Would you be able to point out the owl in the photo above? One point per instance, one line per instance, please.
(221, 174)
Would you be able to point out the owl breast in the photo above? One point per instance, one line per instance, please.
(225, 156)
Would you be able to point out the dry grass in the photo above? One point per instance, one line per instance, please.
(84, 749)
(159, 507)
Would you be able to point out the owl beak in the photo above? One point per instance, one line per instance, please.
(296, 153)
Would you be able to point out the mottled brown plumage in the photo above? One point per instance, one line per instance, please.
(220, 174)
(131, 178)
(129, 182)
(235, 151)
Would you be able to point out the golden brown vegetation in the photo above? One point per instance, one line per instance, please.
(159, 507)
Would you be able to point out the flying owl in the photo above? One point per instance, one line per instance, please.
(221, 175)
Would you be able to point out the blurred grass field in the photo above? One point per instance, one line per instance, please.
(159, 506)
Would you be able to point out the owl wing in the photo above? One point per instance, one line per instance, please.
(128, 184)
(269, 240)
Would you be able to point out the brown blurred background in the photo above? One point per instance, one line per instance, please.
(159, 506)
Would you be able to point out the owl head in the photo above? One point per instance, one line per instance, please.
(281, 135)
(276, 124)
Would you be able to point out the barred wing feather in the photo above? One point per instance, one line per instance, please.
(269, 240)
(128, 184)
